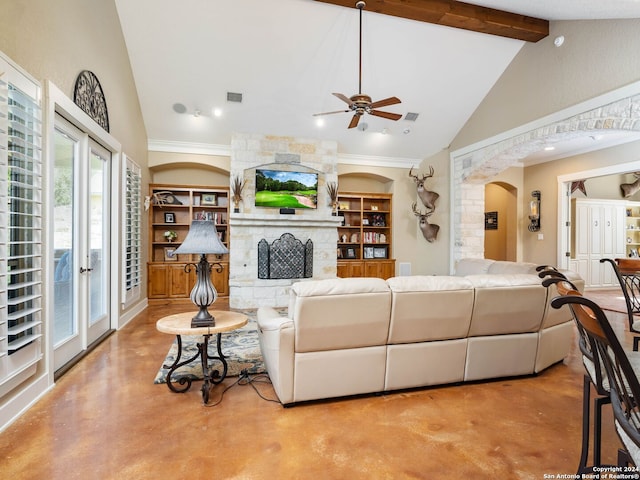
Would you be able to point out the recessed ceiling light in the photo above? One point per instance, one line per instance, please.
(217, 112)
(406, 131)
(548, 148)
(558, 41)
(320, 122)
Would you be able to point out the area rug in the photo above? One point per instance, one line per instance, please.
(240, 348)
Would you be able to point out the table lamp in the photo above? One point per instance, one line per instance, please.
(202, 239)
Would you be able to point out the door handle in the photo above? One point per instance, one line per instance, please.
(83, 270)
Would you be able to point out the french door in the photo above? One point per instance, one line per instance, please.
(81, 194)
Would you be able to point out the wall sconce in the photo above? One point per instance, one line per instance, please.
(534, 211)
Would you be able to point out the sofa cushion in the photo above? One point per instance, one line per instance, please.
(506, 304)
(429, 308)
(473, 266)
(502, 267)
(340, 313)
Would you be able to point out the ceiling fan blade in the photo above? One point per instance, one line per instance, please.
(386, 102)
(344, 98)
(354, 121)
(388, 115)
(329, 113)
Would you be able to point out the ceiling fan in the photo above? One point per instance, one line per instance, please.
(360, 103)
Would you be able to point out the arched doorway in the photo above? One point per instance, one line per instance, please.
(500, 228)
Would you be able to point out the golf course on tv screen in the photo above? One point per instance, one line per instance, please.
(280, 189)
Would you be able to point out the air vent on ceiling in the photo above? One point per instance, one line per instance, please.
(411, 116)
(234, 97)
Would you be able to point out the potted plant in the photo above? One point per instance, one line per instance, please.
(170, 235)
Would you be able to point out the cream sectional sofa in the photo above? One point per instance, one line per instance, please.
(364, 335)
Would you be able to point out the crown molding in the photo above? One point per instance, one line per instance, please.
(225, 151)
(188, 147)
(373, 161)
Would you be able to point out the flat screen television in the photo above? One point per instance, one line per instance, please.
(280, 189)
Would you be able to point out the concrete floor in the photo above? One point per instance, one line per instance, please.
(105, 419)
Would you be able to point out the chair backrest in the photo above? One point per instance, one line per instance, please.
(623, 382)
(628, 276)
(592, 364)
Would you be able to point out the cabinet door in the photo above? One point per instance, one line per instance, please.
(180, 282)
(157, 284)
(220, 280)
(350, 269)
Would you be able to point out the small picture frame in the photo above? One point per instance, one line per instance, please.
(378, 220)
(365, 221)
(343, 206)
(351, 253)
(368, 252)
(491, 221)
(379, 252)
(374, 208)
(170, 254)
(209, 199)
(169, 217)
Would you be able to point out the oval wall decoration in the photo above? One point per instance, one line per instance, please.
(88, 95)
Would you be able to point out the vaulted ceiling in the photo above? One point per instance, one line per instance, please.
(287, 57)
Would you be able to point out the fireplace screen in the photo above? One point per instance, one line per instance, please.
(286, 257)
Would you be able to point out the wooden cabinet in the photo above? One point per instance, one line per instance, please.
(173, 208)
(632, 230)
(365, 236)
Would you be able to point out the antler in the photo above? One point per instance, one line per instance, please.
(418, 213)
(424, 176)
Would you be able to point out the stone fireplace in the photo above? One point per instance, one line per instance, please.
(253, 224)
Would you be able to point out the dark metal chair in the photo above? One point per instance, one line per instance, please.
(594, 374)
(627, 271)
(621, 375)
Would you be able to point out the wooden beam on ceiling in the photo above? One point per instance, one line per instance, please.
(456, 14)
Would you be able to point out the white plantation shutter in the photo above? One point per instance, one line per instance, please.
(20, 226)
(132, 217)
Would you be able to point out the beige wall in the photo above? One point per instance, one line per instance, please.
(57, 40)
(189, 169)
(409, 246)
(500, 244)
(597, 57)
(544, 177)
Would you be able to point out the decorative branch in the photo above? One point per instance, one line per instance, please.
(237, 185)
(332, 191)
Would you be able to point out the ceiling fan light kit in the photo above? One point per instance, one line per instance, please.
(361, 103)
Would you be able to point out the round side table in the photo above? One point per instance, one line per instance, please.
(179, 324)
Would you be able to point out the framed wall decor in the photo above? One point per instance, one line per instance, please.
(351, 253)
(169, 217)
(491, 220)
(379, 252)
(170, 254)
(209, 199)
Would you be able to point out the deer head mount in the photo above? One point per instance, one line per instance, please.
(429, 230)
(629, 189)
(427, 197)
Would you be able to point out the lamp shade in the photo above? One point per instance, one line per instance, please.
(202, 239)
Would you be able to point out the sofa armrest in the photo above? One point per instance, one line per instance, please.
(276, 335)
